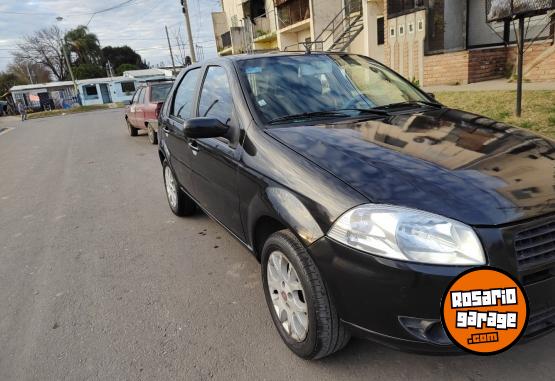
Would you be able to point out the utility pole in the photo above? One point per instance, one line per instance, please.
(520, 74)
(188, 28)
(29, 73)
(109, 69)
(171, 51)
(69, 67)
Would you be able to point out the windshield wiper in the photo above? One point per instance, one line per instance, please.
(333, 113)
(374, 111)
(409, 103)
(308, 115)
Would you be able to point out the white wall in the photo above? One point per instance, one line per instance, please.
(322, 12)
(367, 41)
(115, 89)
(291, 39)
(232, 8)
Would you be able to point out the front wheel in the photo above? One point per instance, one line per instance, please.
(180, 204)
(300, 305)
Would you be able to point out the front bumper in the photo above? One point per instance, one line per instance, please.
(373, 295)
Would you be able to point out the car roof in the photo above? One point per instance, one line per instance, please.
(244, 57)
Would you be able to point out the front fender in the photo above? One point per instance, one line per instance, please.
(294, 214)
(284, 206)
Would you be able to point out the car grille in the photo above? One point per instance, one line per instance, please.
(535, 255)
(535, 248)
(540, 322)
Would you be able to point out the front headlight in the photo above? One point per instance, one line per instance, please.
(408, 235)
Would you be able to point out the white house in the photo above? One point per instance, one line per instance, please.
(62, 94)
(106, 90)
(36, 96)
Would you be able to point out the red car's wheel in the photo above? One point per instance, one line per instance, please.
(132, 130)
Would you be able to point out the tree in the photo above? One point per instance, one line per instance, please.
(44, 47)
(7, 81)
(84, 45)
(181, 58)
(88, 71)
(25, 71)
(120, 55)
(125, 67)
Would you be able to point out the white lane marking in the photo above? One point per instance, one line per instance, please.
(7, 129)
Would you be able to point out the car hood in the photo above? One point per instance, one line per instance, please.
(446, 161)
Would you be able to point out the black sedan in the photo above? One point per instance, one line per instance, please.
(361, 196)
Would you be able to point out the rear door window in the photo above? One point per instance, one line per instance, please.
(185, 95)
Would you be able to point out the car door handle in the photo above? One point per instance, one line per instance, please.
(194, 146)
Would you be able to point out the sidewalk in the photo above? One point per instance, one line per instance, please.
(494, 85)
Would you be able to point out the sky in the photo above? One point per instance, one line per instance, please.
(136, 23)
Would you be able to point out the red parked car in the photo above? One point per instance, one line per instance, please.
(143, 110)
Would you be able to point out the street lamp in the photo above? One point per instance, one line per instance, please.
(59, 19)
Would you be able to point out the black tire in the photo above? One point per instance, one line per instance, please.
(152, 135)
(184, 205)
(132, 130)
(326, 333)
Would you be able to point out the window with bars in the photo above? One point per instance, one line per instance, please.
(292, 11)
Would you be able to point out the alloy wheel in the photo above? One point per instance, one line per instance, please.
(171, 187)
(288, 296)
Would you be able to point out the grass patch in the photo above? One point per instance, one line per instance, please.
(537, 107)
(75, 110)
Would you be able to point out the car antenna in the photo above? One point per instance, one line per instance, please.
(308, 46)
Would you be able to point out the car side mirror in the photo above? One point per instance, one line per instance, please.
(431, 95)
(200, 128)
(126, 103)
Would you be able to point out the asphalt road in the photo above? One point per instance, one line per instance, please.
(100, 281)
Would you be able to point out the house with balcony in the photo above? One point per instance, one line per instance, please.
(246, 26)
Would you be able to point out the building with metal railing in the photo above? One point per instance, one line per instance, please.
(247, 26)
(427, 41)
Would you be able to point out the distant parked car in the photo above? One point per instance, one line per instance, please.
(144, 108)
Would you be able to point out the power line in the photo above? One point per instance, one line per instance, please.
(133, 39)
(92, 13)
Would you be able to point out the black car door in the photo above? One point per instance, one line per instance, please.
(216, 161)
(181, 109)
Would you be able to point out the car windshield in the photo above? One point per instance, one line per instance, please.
(313, 85)
(160, 92)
